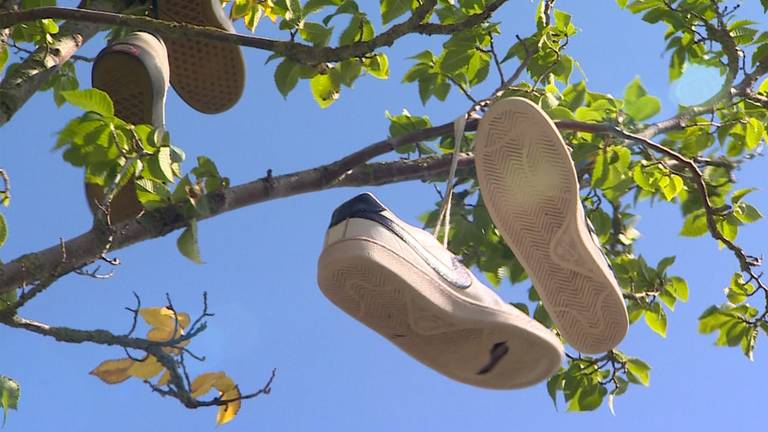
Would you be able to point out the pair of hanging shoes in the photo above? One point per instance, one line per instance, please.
(136, 70)
(402, 283)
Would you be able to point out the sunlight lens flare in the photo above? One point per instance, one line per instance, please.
(697, 84)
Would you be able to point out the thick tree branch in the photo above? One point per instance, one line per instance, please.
(86, 248)
(7, 6)
(348, 171)
(19, 85)
(298, 51)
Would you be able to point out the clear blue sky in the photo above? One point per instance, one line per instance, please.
(333, 373)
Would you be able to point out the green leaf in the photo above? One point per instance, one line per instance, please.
(574, 96)
(643, 108)
(49, 26)
(713, 319)
(740, 194)
(678, 287)
(656, 319)
(748, 342)
(622, 4)
(634, 90)
(611, 167)
(746, 213)
(10, 391)
(554, 383)
(587, 398)
(253, 17)
(152, 194)
(378, 66)
(635, 311)
(165, 161)
(695, 224)
(728, 229)
(541, 315)
(3, 56)
(639, 371)
(90, 100)
(350, 71)
(316, 34)
(754, 134)
(733, 333)
(739, 290)
(359, 29)
(188, 245)
(3, 230)
(671, 186)
(294, 10)
(287, 76)
(404, 123)
(665, 263)
(646, 177)
(324, 90)
(392, 9)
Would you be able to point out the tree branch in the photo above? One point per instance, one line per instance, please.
(351, 170)
(297, 51)
(19, 85)
(86, 248)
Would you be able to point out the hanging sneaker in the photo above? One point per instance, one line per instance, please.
(209, 76)
(528, 183)
(402, 283)
(134, 73)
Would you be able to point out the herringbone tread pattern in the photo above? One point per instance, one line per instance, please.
(384, 298)
(209, 76)
(529, 186)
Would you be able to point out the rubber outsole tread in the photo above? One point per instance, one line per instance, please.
(529, 186)
(382, 293)
(209, 76)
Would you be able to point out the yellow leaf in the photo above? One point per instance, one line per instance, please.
(203, 383)
(145, 369)
(224, 383)
(113, 371)
(229, 411)
(162, 317)
(160, 334)
(164, 379)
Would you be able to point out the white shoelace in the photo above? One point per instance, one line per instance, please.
(444, 219)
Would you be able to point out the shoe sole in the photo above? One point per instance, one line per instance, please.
(127, 82)
(209, 76)
(530, 189)
(421, 316)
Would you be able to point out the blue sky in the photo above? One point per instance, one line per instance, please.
(333, 373)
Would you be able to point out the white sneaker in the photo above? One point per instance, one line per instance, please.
(528, 183)
(401, 282)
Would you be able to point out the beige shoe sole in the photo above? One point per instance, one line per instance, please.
(209, 76)
(124, 206)
(424, 318)
(125, 79)
(529, 186)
